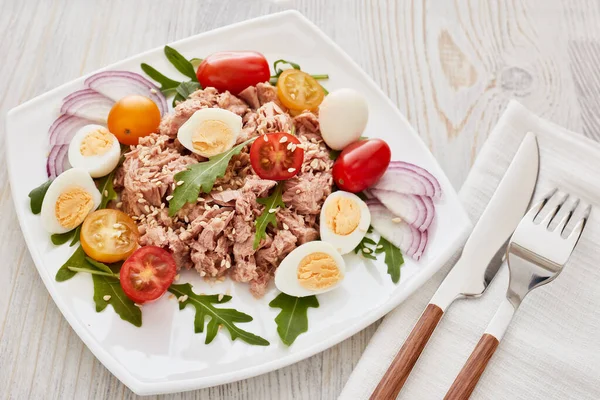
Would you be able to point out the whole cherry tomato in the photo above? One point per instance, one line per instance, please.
(233, 70)
(133, 117)
(361, 164)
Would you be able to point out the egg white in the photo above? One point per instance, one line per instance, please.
(345, 243)
(343, 116)
(286, 275)
(99, 165)
(186, 131)
(70, 178)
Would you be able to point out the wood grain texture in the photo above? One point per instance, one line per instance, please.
(397, 373)
(469, 375)
(450, 66)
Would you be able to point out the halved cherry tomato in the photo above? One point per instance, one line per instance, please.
(361, 164)
(233, 70)
(275, 156)
(133, 117)
(147, 274)
(299, 91)
(109, 236)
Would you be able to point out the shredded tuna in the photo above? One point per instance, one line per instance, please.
(215, 235)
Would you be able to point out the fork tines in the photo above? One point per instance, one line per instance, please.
(555, 202)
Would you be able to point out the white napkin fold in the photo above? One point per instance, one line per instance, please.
(552, 347)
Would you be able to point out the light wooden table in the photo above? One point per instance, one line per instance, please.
(450, 66)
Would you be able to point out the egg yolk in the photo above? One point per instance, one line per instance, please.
(211, 137)
(318, 271)
(72, 206)
(96, 143)
(342, 215)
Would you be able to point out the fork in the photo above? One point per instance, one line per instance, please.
(536, 254)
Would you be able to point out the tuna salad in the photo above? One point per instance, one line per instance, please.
(215, 235)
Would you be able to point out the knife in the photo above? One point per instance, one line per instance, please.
(473, 272)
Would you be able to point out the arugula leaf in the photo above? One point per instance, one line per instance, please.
(201, 177)
(186, 88)
(123, 305)
(364, 250)
(106, 188)
(181, 63)
(334, 154)
(165, 82)
(77, 260)
(226, 317)
(279, 71)
(99, 265)
(196, 61)
(267, 217)
(76, 236)
(292, 320)
(62, 238)
(37, 197)
(393, 258)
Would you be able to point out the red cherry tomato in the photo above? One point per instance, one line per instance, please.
(272, 157)
(147, 274)
(233, 70)
(361, 164)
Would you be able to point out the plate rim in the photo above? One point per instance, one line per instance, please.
(141, 387)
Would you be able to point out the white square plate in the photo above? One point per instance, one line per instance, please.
(165, 355)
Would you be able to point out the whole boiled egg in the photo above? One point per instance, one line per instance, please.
(69, 199)
(343, 116)
(313, 268)
(345, 219)
(95, 150)
(210, 131)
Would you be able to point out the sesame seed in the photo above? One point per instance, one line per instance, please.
(137, 305)
(120, 204)
(105, 193)
(220, 297)
(272, 210)
(233, 231)
(147, 209)
(283, 139)
(290, 145)
(227, 264)
(290, 170)
(365, 250)
(153, 91)
(285, 226)
(162, 205)
(298, 191)
(397, 220)
(117, 225)
(177, 277)
(180, 183)
(186, 219)
(169, 198)
(379, 246)
(265, 138)
(141, 200)
(207, 207)
(223, 261)
(171, 296)
(216, 207)
(106, 297)
(202, 273)
(183, 298)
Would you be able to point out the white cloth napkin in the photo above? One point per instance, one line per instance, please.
(552, 347)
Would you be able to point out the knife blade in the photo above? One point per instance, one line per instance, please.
(473, 271)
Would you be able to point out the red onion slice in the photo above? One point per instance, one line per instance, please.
(118, 84)
(415, 210)
(88, 104)
(64, 128)
(407, 238)
(58, 160)
(400, 170)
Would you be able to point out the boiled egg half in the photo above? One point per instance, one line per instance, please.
(313, 268)
(345, 219)
(210, 131)
(95, 150)
(69, 199)
(343, 116)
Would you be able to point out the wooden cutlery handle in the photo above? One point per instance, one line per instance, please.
(469, 375)
(407, 357)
